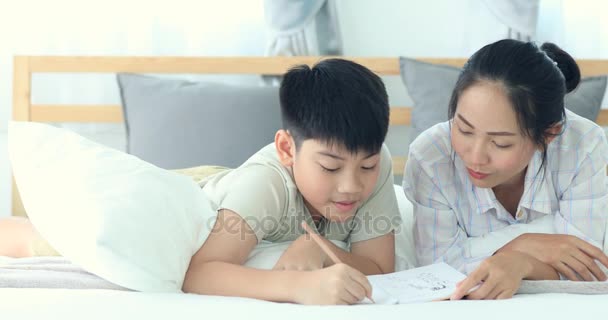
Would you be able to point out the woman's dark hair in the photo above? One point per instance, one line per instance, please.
(534, 79)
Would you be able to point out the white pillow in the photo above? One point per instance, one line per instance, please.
(121, 218)
(405, 250)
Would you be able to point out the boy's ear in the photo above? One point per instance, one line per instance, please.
(553, 132)
(286, 147)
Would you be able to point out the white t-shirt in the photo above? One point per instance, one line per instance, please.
(263, 192)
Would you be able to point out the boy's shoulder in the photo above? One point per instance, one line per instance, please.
(262, 177)
(386, 161)
(265, 163)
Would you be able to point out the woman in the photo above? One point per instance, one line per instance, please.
(513, 186)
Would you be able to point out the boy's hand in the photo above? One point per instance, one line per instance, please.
(302, 255)
(567, 254)
(338, 284)
(498, 277)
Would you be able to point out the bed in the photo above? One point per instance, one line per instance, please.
(104, 303)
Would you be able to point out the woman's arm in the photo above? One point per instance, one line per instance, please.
(580, 224)
(583, 204)
(499, 276)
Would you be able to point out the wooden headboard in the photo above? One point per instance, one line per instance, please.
(25, 66)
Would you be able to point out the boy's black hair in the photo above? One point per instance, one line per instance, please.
(336, 101)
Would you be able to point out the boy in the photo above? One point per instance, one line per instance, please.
(328, 167)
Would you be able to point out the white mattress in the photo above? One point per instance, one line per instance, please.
(79, 304)
(68, 304)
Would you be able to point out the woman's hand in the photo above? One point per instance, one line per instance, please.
(302, 255)
(338, 284)
(498, 277)
(567, 254)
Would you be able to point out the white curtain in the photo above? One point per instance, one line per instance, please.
(578, 26)
(302, 27)
(520, 16)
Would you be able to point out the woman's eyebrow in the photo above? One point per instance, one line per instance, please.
(491, 133)
(465, 121)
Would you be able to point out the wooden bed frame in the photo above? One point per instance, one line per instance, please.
(25, 66)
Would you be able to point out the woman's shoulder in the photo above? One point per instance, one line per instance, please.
(579, 135)
(581, 139)
(431, 153)
(433, 144)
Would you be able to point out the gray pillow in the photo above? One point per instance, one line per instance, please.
(586, 99)
(430, 87)
(177, 124)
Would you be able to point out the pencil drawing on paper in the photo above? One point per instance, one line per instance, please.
(425, 281)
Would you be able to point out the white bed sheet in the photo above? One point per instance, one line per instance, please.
(69, 304)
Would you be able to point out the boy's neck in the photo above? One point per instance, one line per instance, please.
(317, 219)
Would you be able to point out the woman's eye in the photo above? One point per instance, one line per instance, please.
(466, 133)
(502, 146)
(369, 168)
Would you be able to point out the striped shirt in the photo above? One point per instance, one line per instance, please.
(461, 224)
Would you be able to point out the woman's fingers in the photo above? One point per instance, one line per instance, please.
(578, 267)
(494, 293)
(591, 265)
(469, 283)
(506, 294)
(591, 250)
(484, 291)
(565, 270)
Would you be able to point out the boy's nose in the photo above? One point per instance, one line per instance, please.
(351, 183)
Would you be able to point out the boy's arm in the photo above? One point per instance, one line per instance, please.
(373, 256)
(216, 268)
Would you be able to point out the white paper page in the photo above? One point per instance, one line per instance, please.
(380, 296)
(433, 282)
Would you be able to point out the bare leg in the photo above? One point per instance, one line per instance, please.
(16, 237)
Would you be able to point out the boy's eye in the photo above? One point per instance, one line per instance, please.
(369, 168)
(329, 169)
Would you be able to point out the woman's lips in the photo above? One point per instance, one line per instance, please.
(477, 175)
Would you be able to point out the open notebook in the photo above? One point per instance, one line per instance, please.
(438, 282)
(432, 282)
